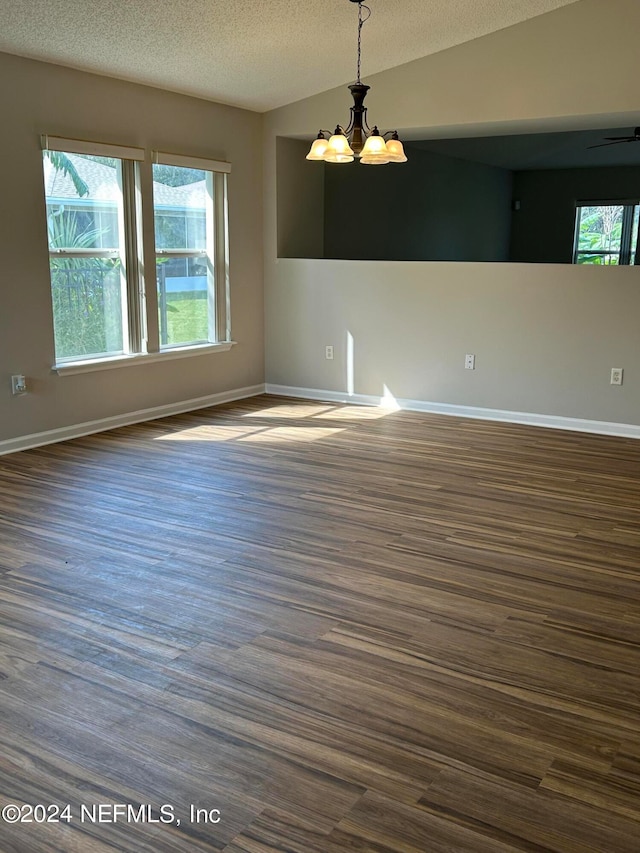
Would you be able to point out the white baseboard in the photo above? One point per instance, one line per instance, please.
(529, 418)
(38, 439)
(26, 442)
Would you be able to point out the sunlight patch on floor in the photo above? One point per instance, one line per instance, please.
(257, 434)
(287, 434)
(353, 413)
(291, 410)
(210, 432)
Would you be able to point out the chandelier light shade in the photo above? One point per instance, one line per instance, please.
(319, 148)
(357, 140)
(338, 149)
(395, 150)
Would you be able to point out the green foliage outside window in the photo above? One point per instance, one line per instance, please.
(600, 231)
(86, 292)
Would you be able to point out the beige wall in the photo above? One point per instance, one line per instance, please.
(39, 98)
(545, 336)
(540, 347)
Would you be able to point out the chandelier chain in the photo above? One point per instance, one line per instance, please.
(361, 22)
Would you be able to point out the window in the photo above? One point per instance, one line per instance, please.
(94, 212)
(89, 259)
(607, 233)
(183, 206)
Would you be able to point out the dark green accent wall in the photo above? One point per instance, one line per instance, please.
(300, 201)
(432, 208)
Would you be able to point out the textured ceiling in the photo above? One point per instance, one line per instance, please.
(259, 54)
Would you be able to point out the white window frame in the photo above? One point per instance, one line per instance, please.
(141, 344)
(128, 253)
(216, 253)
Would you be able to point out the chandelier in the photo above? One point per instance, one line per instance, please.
(357, 139)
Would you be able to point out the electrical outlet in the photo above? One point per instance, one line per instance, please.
(18, 384)
(469, 362)
(616, 375)
(328, 352)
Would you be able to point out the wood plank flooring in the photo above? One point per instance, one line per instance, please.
(343, 628)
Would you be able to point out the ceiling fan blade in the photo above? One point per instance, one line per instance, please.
(621, 138)
(618, 142)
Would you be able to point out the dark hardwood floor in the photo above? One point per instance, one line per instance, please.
(344, 629)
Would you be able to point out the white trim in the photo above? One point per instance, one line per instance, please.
(68, 368)
(26, 442)
(164, 159)
(529, 418)
(83, 146)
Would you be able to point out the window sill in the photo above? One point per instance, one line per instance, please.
(68, 368)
